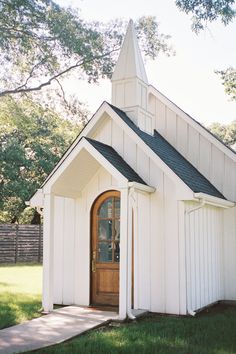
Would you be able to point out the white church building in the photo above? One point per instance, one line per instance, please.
(140, 211)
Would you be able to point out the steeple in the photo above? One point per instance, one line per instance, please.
(130, 83)
(130, 63)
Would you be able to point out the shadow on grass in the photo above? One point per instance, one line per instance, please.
(204, 334)
(18, 307)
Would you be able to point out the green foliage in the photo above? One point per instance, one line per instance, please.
(207, 11)
(20, 293)
(228, 78)
(33, 139)
(225, 132)
(41, 41)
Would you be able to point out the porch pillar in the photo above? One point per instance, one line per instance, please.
(123, 253)
(48, 245)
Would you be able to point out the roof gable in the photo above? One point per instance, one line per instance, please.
(173, 159)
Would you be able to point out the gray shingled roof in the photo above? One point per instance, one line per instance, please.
(116, 160)
(173, 159)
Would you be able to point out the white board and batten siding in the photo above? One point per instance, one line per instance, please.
(229, 250)
(72, 241)
(196, 145)
(159, 262)
(204, 255)
(64, 250)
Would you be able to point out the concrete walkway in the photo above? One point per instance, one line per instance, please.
(56, 327)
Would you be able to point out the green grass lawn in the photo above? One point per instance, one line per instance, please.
(20, 293)
(212, 332)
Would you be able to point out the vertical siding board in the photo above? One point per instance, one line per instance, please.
(217, 166)
(142, 165)
(171, 126)
(205, 157)
(58, 250)
(68, 269)
(193, 146)
(157, 240)
(83, 244)
(197, 263)
(229, 253)
(204, 267)
(171, 248)
(182, 258)
(130, 151)
(182, 136)
(160, 117)
(117, 139)
(144, 251)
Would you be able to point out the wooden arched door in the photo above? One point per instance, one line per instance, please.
(105, 249)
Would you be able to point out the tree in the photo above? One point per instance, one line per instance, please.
(228, 78)
(41, 42)
(209, 11)
(205, 11)
(32, 140)
(225, 132)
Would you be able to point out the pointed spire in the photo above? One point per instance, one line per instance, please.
(130, 63)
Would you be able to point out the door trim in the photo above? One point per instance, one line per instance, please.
(93, 230)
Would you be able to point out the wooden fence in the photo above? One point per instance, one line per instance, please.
(21, 243)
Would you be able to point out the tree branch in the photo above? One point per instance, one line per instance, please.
(22, 89)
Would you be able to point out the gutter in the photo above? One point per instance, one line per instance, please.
(141, 187)
(217, 202)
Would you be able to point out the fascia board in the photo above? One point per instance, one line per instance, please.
(192, 122)
(87, 129)
(209, 199)
(37, 199)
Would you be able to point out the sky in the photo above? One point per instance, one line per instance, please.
(187, 78)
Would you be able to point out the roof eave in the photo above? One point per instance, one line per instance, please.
(214, 201)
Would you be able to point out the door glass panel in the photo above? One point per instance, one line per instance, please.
(105, 210)
(104, 253)
(117, 207)
(117, 230)
(104, 230)
(117, 252)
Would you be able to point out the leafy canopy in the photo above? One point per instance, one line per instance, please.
(41, 41)
(225, 132)
(32, 140)
(205, 11)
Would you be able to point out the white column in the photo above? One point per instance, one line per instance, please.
(123, 253)
(48, 226)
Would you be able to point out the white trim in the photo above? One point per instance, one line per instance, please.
(192, 122)
(123, 253)
(84, 144)
(141, 187)
(48, 253)
(210, 200)
(87, 129)
(37, 199)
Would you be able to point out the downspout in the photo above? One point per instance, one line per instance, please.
(131, 203)
(202, 203)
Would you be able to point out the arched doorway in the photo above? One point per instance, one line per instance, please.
(105, 249)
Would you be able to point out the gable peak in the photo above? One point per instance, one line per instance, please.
(130, 63)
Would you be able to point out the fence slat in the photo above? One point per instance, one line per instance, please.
(21, 243)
